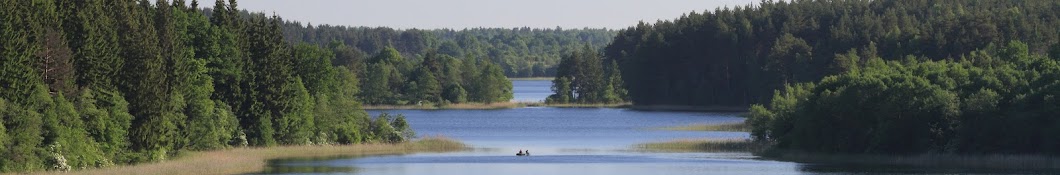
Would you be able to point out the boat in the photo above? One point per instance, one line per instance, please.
(523, 154)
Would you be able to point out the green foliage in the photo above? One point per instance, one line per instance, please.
(402, 127)
(471, 80)
(294, 126)
(427, 86)
(562, 91)
(490, 85)
(992, 101)
(24, 137)
(96, 83)
(738, 56)
(65, 131)
(339, 118)
(520, 52)
(582, 78)
(376, 89)
(383, 131)
(455, 94)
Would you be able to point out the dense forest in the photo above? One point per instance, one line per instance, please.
(997, 100)
(739, 56)
(583, 78)
(520, 52)
(436, 79)
(863, 77)
(99, 83)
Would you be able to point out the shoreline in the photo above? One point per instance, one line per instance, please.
(945, 161)
(523, 104)
(531, 78)
(702, 145)
(687, 108)
(581, 105)
(255, 160)
(493, 106)
(728, 127)
(457, 106)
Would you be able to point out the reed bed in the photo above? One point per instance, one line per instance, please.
(254, 160)
(703, 145)
(733, 127)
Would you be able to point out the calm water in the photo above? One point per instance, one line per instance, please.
(531, 90)
(565, 141)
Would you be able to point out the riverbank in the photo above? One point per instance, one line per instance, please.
(501, 105)
(731, 127)
(484, 106)
(703, 145)
(936, 161)
(532, 78)
(581, 105)
(689, 108)
(254, 160)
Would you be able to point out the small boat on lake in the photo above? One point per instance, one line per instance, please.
(521, 153)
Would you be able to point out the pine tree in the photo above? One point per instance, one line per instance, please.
(145, 81)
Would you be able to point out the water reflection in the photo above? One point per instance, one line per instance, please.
(574, 141)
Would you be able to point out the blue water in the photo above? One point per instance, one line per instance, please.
(575, 141)
(531, 90)
(561, 141)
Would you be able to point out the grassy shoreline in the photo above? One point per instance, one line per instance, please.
(945, 161)
(531, 78)
(254, 160)
(582, 105)
(703, 145)
(500, 105)
(731, 127)
(689, 108)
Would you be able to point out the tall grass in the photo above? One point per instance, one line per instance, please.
(735, 127)
(703, 145)
(252, 160)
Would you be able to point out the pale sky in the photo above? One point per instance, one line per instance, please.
(460, 14)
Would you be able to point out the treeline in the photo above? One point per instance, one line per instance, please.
(739, 56)
(435, 79)
(583, 77)
(520, 52)
(98, 83)
(999, 100)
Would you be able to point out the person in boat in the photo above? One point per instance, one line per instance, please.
(520, 153)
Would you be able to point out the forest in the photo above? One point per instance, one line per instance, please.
(738, 56)
(583, 78)
(519, 52)
(101, 83)
(996, 100)
(863, 77)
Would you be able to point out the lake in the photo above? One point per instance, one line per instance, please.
(531, 90)
(573, 141)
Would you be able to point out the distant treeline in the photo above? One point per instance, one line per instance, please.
(739, 56)
(435, 79)
(97, 83)
(520, 52)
